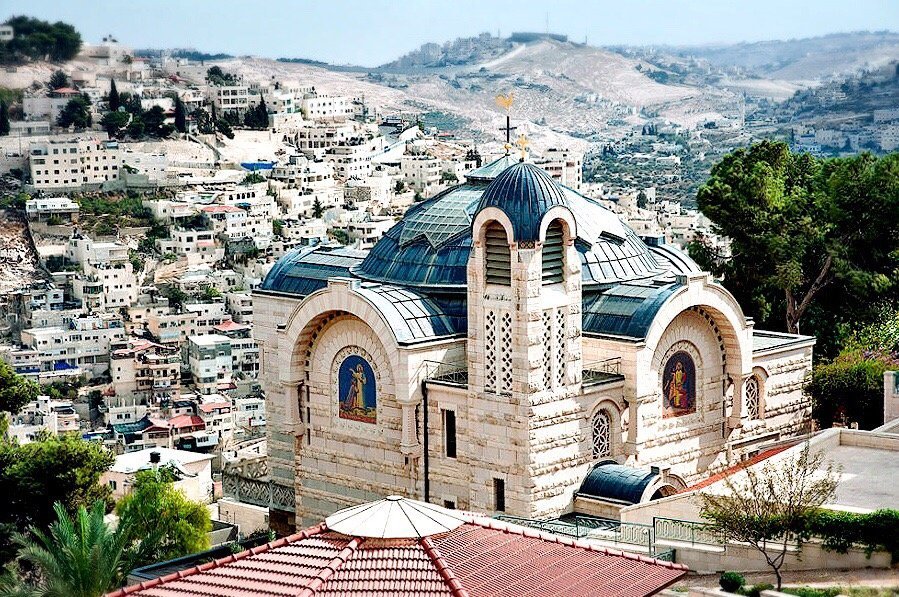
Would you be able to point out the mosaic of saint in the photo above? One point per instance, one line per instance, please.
(357, 392)
(679, 386)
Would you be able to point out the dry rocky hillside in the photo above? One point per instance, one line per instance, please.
(19, 266)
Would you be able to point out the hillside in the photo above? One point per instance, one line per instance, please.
(808, 59)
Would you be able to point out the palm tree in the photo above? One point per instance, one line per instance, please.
(80, 556)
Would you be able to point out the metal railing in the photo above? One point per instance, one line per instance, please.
(694, 533)
(624, 533)
(597, 371)
(556, 527)
(454, 373)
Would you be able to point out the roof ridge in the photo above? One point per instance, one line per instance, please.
(443, 568)
(328, 571)
(496, 525)
(304, 534)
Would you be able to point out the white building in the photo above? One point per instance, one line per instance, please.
(49, 208)
(80, 347)
(193, 470)
(74, 164)
(326, 108)
(209, 358)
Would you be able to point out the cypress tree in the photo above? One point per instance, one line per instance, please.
(114, 100)
(4, 119)
(180, 116)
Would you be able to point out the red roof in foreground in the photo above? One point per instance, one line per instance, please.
(480, 557)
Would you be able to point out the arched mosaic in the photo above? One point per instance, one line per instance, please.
(679, 385)
(357, 390)
(602, 434)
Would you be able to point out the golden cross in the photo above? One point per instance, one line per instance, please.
(522, 144)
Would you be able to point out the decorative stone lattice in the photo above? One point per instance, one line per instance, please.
(752, 393)
(547, 350)
(490, 352)
(560, 347)
(602, 434)
(506, 353)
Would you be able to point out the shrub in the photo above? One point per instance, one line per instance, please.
(811, 592)
(873, 531)
(851, 387)
(756, 590)
(732, 581)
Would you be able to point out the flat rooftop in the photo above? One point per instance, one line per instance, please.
(868, 479)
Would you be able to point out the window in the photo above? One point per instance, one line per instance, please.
(602, 434)
(753, 397)
(499, 495)
(497, 255)
(449, 433)
(449, 504)
(553, 254)
(112, 484)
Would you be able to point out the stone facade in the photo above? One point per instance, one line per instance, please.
(511, 415)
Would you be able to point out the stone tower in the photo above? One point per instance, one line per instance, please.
(524, 349)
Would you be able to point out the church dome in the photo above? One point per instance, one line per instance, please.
(430, 246)
(524, 193)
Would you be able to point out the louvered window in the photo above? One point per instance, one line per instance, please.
(497, 256)
(553, 254)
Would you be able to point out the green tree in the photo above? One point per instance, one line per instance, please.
(4, 118)
(39, 40)
(58, 80)
(76, 113)
(81, 556)
(35, 476)
(224, 128)
(257, 116)
(642, 200)
(204, 123)
(113, 100)
(180, 115)
(768, 506)
(114, 122)
(317, 208)
(15, 390)
(156, 506)
(799, 225)
(154, 122)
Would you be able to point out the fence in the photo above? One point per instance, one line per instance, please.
(694, 533)
(258, 492)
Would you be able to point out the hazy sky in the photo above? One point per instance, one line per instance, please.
(371, 32)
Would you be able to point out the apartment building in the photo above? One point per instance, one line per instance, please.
(106, 286)
(249, 413)
(81, 347)
(233, 97)
(326, 108)
(209, 358)
(244, 350)
(218, 418)
(421, 172)
(52, 209)
(564, 165)
(197, 246)
(146, 370)
(74, 164)
(240, 306)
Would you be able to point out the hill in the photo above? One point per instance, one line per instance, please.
(809, 59)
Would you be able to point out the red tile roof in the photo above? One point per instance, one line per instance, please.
(736, 468)
(187, 421)
(214, 209)
(210, 407)
(480, 557)
(229, 325)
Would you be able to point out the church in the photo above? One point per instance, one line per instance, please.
(512, 347)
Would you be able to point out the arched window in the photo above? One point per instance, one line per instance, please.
(753, 396)
(497, 256)
(554, 254)
(602, 434)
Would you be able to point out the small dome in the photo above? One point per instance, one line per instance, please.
(609, 480)
(524, 193)
(395, 517)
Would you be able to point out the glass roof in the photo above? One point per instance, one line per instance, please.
(443, 217)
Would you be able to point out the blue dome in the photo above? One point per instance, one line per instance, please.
(524, 193)
(430, 245)
(612, 481)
